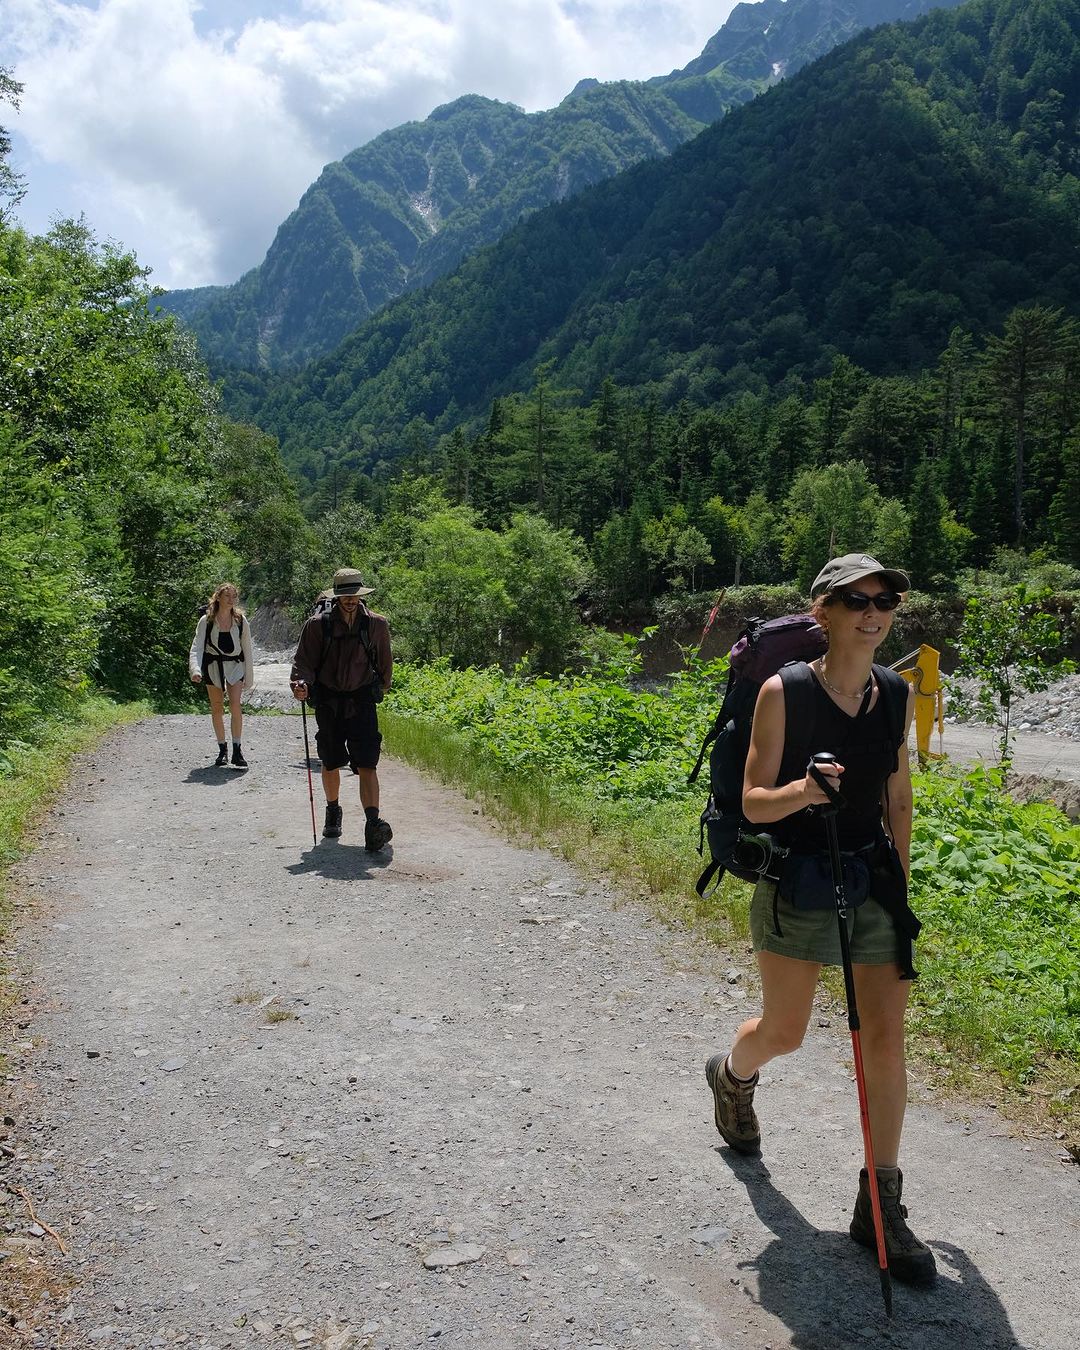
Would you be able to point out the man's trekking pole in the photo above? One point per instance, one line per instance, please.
(307, 763)
(836, 863)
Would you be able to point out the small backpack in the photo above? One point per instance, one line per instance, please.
(764, 648)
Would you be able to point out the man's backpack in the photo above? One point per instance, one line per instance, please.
(765, 648)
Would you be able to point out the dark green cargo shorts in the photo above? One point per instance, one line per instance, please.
(814, 935)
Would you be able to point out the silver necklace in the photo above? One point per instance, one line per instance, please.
(839, 692)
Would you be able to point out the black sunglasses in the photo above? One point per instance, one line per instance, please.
(858, 600)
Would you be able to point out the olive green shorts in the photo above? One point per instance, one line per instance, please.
(814, 935)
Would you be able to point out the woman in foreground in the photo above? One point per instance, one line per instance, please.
(793, 917)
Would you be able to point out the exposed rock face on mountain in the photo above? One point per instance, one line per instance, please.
(768, 39)
(406, 208)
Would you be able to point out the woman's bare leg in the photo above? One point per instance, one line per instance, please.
(236, 717)
(217, 711)
(882, 998)
(787, 992)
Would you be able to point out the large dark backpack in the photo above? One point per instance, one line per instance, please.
(765, 648)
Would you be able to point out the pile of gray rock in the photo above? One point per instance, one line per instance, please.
(1053, 712)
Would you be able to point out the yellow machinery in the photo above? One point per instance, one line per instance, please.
(921, 668)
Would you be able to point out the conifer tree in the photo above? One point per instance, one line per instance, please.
(1065, 507)
(1020, 366)
(928, 554)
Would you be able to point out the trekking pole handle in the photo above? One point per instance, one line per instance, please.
(836, 798)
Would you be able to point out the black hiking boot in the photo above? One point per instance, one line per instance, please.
(909, 1259)
(222, 760)
(377, 834)
(238, 760)
(332, 825)
(733, 1106)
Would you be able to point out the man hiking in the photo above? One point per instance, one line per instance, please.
(342, 666)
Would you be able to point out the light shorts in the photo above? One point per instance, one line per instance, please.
(814, 935)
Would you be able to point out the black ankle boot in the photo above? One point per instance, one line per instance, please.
(332, 826)
(377, 834)
(222, 755)
(238, 760)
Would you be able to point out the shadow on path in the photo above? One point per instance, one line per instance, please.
(212, 776)
(825, 1288)
(341, 862)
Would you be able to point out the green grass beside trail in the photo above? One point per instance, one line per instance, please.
(599, 771)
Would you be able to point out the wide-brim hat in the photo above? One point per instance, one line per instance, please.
(852, 566)
(348, 581)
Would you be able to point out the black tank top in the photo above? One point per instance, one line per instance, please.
(863, 746)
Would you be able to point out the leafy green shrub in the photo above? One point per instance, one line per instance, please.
(997, 885)
(48, 604)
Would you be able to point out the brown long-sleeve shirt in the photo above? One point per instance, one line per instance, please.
(345, 666)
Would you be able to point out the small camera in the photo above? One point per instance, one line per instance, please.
(759, 853)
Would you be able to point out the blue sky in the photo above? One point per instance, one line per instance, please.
(188, 131)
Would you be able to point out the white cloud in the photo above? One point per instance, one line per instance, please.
(188, 131)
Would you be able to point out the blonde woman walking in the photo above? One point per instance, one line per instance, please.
(220, 658)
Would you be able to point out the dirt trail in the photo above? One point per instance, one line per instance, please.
(479, 1059)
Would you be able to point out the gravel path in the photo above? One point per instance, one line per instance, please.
(480, 1120)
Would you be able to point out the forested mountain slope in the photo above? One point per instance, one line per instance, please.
(404, 209)
(919, 177)
(767, 39)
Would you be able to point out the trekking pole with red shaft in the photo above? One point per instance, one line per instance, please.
(307, 762)
(829, 812)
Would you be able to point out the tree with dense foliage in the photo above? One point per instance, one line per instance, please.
(12, 187)
(123, 498)
(1065, 506)
(112, 412)
(1009, 644)
(1021, 366)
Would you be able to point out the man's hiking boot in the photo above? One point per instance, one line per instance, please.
(238, 760)
(332, 825)
(733, 1106)
(909, 1259)
(377, 834)
(222, 760)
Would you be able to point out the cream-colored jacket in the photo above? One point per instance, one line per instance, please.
(236, 668)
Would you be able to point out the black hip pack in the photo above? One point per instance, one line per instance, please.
(806, 880)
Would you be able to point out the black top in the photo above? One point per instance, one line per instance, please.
(862, 744)
(224, 641)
